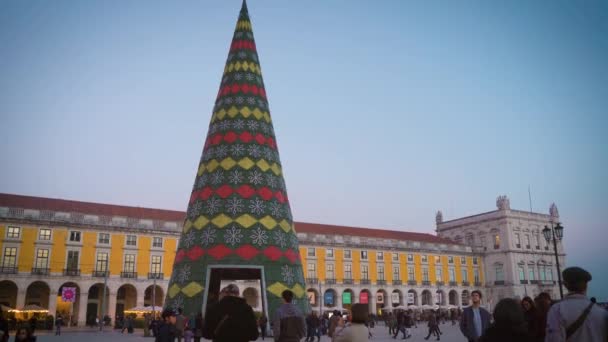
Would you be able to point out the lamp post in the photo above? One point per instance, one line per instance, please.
(554, 234)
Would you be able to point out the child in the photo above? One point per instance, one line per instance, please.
(188, 334)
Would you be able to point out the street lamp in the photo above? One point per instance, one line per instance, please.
(554, 234)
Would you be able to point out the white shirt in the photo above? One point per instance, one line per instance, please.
(563, 314)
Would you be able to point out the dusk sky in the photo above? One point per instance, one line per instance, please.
(384, 111)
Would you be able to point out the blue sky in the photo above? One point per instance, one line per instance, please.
(385, 112)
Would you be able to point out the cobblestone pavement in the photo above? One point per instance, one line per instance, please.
(450, 334)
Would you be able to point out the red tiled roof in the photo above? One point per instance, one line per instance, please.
(318, 228)
(42, 203)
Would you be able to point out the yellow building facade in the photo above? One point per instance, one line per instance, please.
(48, 245)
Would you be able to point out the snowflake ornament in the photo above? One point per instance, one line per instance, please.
(255, 177)
(233, 236)
(257, 206)
(254, 150)
(184, 274)
(213, 206)
(217, 177)
(238, 150)
(187, 240)
(252, 124)
(208, 237)
(178, 302)
(287, 274)
(259, 237)
(234, 206)
(279, 239)
(235, 177)
(276, 210)
(238, 124)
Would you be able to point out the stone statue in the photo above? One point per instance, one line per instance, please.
(503, 203)
(553, 211)
(439, 217)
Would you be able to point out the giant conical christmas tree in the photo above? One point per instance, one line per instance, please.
(238, 214)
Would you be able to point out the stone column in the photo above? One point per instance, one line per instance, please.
(82, 309)
(112, 306)
(53, 302)
(20, 299)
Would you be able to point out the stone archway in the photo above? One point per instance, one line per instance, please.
(348, 298)
(38, 293)
(126, 298)
(313, 298)
(68, 308)
(465, 298)
(8, 293)
(330, 298)
(427, 297)
(251, 297)
(382, 301)
(396, 298)
(453, 298)
(365, 297)
(154, 296)
(412, 297)
(95, 302)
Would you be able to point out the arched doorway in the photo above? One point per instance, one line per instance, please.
(412, 297)
(348, 298)
(126, 298)
(252, 298)
(38, 294)
(330, 298)
(453, 298)
(382, 301)
(154, 296)
(8, 293)
(313, 298)
(465, 298)
(365, 297)
(396, 298)
(68, 303)
(441, 300)
(95, 301)
(427, 297)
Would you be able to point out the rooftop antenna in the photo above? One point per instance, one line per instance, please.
(530, 197)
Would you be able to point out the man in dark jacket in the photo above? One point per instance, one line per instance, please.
(288, 324)
(165, 331)
(231, 319)
(475, 319)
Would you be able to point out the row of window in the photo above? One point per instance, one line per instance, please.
(330, 272)
(101, 263)
(527, 241)
(329, 253)
(44, 234)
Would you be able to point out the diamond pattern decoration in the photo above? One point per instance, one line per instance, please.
(239, 192)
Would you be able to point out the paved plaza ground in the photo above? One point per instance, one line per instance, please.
(450, 334)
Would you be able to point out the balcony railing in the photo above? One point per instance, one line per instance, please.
(477, 283)
(453, 283)
(71, 272)
(330, 281)
(347, 281)
(312, 280)
(524, 281)
(518, 245)
(132, 275)
(412, 282)
(397, 282)
(439, 283)
(9, 269)
(381, 282)
(41, 271)
(499, 282)
(533, 281)
(426, 282)
(100, 274)
(546, 282)
(156, 276)
(465, 283)
(365, 282)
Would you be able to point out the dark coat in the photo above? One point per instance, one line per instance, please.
(165, 332)
(506, 333)
(467, 322)
(239, 323)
